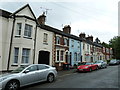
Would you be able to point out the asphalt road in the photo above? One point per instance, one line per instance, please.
(102, 78)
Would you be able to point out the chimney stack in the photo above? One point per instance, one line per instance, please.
(90, 38)
(82, 35)
(67, 29)
(41, 19)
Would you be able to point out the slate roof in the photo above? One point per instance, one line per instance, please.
(57, 31)
(4, 13)
(7, 14)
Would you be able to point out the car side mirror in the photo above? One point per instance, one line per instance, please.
(26, 71)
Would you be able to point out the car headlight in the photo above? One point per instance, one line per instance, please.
(1, 79)
(86, 67)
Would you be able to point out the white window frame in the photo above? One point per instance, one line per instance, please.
(57, 39)
(27, 30)
(58, 55)
(61, 55)
(18, 29)
(65, 41)
(16, 55)
(45, 39)
(25, 56)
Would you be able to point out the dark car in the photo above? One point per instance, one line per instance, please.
(114, 62)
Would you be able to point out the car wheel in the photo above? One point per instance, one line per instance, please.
(90, 69)
(50, 78)
(12, 85)
(97, 68)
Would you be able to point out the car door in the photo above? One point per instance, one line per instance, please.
(43, 72)
(30, 75)
(93, 66)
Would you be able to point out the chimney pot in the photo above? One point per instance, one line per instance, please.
(41, 19)
(82, 35)
(90, 38)
(67, 29)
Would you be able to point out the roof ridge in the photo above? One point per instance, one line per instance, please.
(27, 5)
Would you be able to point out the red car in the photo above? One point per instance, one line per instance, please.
(87, 67)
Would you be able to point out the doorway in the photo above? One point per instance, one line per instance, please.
(43, 57)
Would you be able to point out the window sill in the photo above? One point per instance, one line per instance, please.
(58, 44)
(14, 65)
(27, 37)
(24, 64)
(59, 61)
(18, 36)
(45, 43)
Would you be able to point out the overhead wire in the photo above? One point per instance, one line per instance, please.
(79, 13)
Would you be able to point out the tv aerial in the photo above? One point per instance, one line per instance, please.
(45, 10)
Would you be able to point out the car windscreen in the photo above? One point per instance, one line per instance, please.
(88, 63)
(113, 61)
(19, 69)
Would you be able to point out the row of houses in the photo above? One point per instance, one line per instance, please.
(26, 39)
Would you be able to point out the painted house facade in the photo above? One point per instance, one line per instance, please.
(4, 42)
(74, 51)
(44, 43)
(85, 48)
(19, 33)
(27, 40)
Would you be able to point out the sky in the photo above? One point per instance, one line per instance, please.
(98, 18)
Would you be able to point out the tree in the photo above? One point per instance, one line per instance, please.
(115, 44)
(105, 45)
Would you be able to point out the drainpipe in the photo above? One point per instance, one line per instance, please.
(35, 44)
(11, 40)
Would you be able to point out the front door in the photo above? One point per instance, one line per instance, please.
(43, 57)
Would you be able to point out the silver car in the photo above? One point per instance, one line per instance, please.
(26, 75)
(101, 64)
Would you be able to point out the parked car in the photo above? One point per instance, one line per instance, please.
(114, 62)
(87, 67)
(101, 64)
(26, 75)
(118, 61)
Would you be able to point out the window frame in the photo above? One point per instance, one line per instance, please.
(58, 40)
(25, 56)
(28, 31)
(58, 55)
(16, 55)
(65, 41)
(45, 38)
(61, 55)
(18, 29)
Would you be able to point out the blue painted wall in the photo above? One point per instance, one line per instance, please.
(75, 50)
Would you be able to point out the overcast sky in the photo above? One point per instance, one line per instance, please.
(94, 17)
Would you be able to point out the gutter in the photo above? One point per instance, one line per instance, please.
(11, 40)
(35, 44)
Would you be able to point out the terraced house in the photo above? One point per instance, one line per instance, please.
(27, 40)
(75, 50)
(18, 38)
